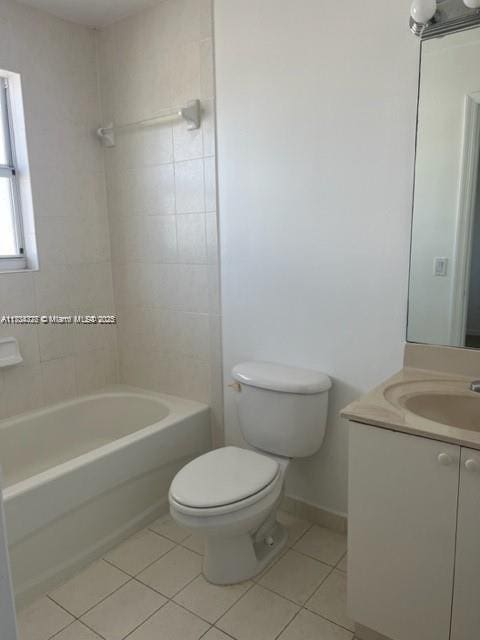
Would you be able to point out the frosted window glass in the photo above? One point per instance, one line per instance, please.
(4, 156)
(7, 225)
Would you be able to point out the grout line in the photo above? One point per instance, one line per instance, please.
(255, 581)
(328, 620)
(148, 565)
(235, 603)
(163, 535)
(60, 606)
(297, 604)
(118, 568)
(62, 629)
(92, 630)
(224, 632)
(67, 627)
(144, 621)
(176, 593)
(288, 624)
(105, 598)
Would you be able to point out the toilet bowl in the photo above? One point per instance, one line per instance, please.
(231, 495)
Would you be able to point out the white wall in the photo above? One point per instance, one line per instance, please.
(316, 123)
(162, 201)
(57, 62)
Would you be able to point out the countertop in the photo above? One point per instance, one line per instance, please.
(375, 409)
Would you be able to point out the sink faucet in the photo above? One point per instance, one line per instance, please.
(475, 386)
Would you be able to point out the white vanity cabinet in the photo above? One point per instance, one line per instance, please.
(466, 597)
(408, 560)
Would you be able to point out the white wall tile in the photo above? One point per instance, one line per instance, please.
(187, 144)
(185, 72)
(22, 389)
(17, 295)
(59, 81)
(160, 239)
(191, 234)
(189, 186)
(55, 341)
(58, 380)
(208, 127)
(210, 184)
(206, 70)
(27, 337)
(52, 286)
(211, 226)
(163, 287)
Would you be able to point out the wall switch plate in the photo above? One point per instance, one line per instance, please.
(440, 266)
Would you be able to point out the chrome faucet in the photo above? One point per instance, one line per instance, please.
(475, 386)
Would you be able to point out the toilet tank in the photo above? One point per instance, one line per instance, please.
(282, 409)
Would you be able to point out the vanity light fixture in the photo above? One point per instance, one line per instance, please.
(437, 18)
(422, 13)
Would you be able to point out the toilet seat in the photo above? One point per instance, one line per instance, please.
(223, 481)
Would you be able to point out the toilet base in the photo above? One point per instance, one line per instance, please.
(239, 558)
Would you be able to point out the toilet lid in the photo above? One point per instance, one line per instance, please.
(222, 477)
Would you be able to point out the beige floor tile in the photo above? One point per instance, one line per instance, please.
(295, 527)
(323, 544)
(41, 620)
(123, 611)
(171, 623)
(259, 615)
(342, 565)
(173, 571)
(330, 600)
(196, 543)
(166, 526)
(259, 576)
(76, 631)
(295, 576)
(216, 634)
(89, 587)
(210, 601)
(308, 626)
(136, 553)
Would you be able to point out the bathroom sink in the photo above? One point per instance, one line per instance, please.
(446, 402)
(455, 410)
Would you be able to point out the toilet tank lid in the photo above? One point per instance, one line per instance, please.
(282, 378)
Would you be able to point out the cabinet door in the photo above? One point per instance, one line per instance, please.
(401, 527)
(466, 598)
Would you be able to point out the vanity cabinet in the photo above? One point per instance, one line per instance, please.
(409, 556)
(466, 597)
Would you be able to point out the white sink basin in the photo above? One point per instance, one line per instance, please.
(446, 402)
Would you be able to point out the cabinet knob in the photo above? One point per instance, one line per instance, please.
(472, 465)
(445, 459)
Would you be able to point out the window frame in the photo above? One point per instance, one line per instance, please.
(17, 261)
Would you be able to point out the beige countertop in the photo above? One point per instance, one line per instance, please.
(382, 407)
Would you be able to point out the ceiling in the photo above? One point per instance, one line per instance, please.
(92, 13)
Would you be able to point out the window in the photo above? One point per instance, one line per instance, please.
(12, 252)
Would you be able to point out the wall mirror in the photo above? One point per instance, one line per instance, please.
(444, 297)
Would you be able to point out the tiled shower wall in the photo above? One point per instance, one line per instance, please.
(59, 78)
(162, 201)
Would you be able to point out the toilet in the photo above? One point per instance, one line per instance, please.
(230, 496)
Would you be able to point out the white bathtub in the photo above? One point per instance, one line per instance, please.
(81, 475)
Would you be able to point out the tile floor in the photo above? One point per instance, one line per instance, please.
(151, 588)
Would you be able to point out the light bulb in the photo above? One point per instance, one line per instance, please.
(422, 11)
(472, 4)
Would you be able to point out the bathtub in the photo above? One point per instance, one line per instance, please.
(82, 475)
